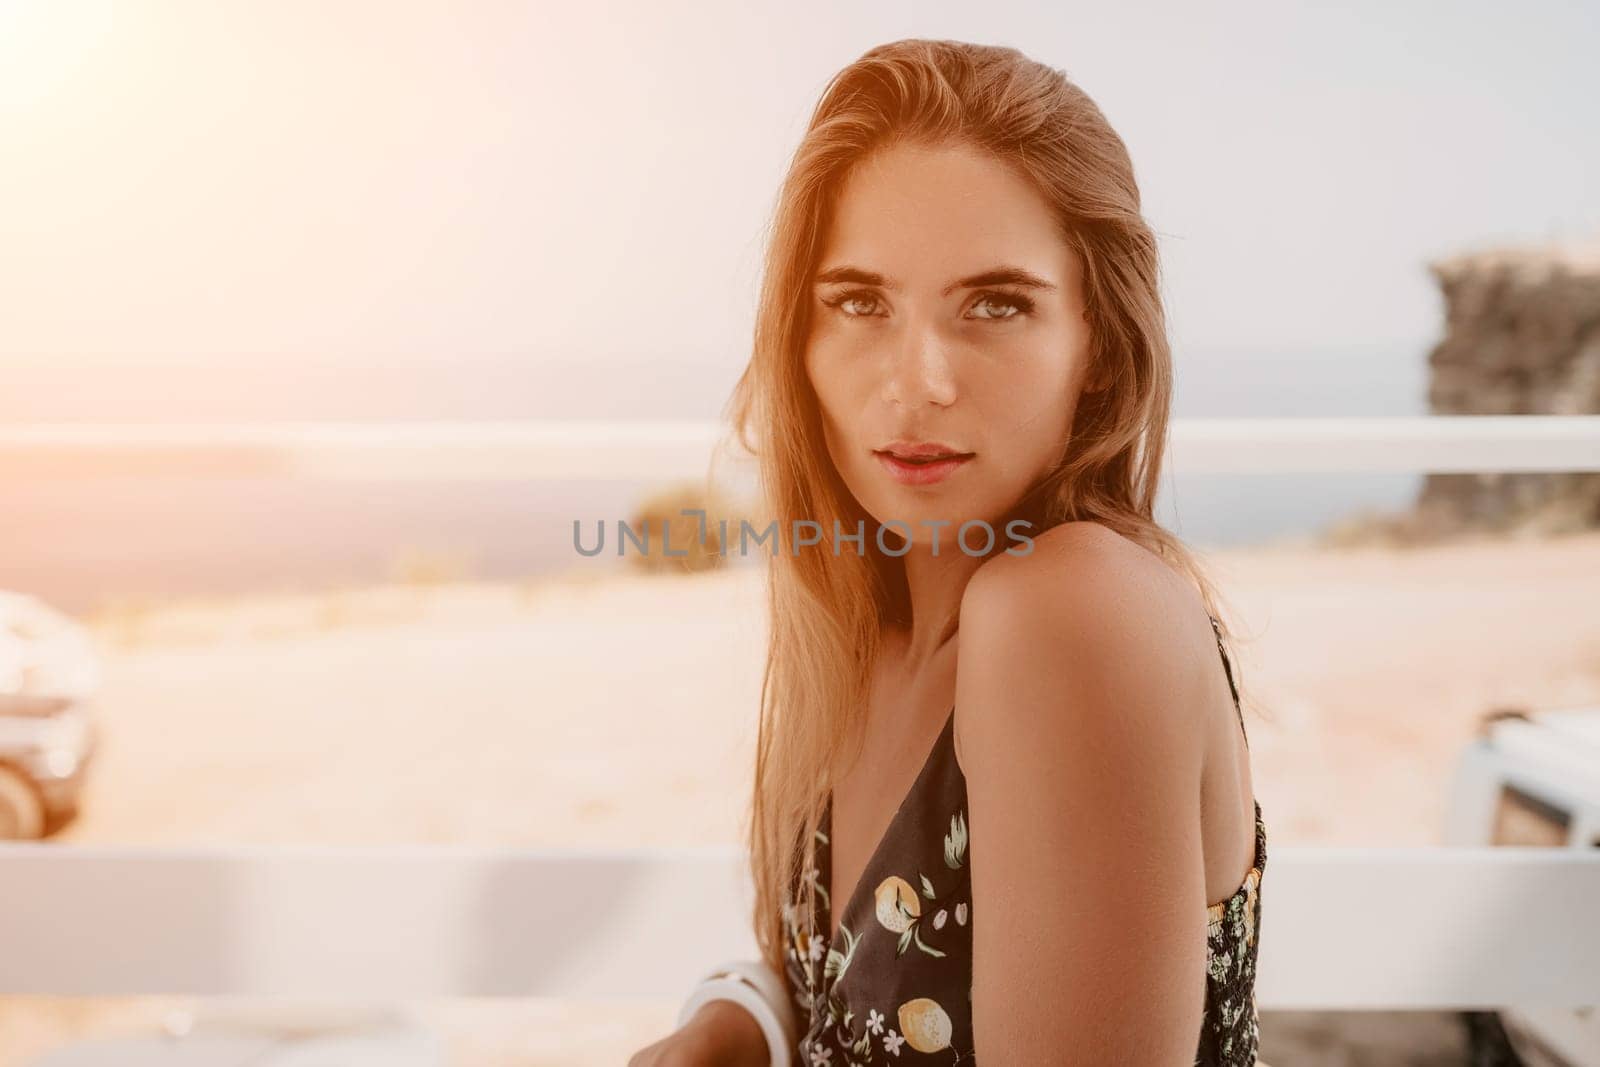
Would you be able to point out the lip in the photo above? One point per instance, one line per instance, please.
(909, 449)
(926, 473)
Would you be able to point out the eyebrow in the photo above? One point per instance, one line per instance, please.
(994, 276)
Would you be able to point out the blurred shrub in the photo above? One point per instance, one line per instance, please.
(659, 521)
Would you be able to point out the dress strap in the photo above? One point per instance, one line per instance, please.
(1227, 666)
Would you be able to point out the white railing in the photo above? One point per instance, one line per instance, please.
(583, 450)
(1341, 927)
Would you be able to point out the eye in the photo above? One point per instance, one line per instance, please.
(1008, 305)
(851, 303)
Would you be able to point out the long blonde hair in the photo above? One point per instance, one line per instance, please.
(827, 610)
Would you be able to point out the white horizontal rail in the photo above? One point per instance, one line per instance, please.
(621, 449)
(1432, 443)
(556, 450)
(1342, 928)
(365, 923)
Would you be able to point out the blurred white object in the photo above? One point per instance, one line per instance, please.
(49, 676)
(1532, 779)
(43, 653)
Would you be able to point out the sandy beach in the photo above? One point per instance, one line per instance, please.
(496, 714)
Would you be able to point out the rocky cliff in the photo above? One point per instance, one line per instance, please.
(1521, 337)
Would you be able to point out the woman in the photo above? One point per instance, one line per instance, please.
(1051, 855)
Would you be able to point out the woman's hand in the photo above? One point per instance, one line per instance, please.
(720, 1034)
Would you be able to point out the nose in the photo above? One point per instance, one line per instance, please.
(919, 370)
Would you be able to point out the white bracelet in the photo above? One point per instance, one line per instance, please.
(748, 995)
(768, 983)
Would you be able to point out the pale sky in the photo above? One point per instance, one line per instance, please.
(311, 183)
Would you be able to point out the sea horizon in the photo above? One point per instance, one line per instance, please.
(87, 542)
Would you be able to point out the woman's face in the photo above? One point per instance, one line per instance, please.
(948, 311)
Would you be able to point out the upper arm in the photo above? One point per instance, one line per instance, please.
(1076, 682)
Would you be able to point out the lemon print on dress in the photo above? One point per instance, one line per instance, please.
(892, 894)
(925, 1024)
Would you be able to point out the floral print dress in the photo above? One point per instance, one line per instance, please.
(891, 980)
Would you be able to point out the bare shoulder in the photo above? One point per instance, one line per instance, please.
(1077, 682)
(1077, 552)
(1091, 629)
(1085, 574)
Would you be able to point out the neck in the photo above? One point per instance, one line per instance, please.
(935, 585)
